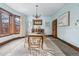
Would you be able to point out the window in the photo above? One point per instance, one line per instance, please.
(5, 23)
(9, 23)
(17, 24)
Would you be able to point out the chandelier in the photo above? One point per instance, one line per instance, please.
(37, 20)
(36, 15)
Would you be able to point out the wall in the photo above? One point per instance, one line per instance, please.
(70, 33)
(23, 21)
(46, 24)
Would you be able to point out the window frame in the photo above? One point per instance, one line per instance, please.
(9, 23)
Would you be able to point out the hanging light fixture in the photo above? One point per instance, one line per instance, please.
(36, 15)
(37, 20)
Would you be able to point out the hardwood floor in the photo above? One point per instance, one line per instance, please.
(9, 47)
(68, 50)
(16, 48)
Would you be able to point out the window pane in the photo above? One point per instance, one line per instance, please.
(5, 23)
(0, 24)
(17, 23)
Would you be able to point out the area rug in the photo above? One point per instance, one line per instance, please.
(50, 50)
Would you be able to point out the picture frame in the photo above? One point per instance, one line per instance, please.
(37, 22)
(64, 19)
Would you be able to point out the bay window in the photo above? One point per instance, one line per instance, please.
(9, 23)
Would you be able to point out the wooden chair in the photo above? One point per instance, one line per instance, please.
(35, 41)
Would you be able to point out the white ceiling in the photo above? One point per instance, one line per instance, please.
(45, 9)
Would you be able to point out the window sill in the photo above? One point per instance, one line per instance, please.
(3, 35)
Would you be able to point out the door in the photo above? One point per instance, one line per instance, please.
(54, 28)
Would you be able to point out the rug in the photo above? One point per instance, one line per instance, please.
(51, 50)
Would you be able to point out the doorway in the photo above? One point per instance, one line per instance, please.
(54, 28)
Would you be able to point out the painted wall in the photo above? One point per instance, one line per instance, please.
(23, 21)
(70, 33)
(46, 24)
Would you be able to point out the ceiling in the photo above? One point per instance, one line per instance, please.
(44, 9)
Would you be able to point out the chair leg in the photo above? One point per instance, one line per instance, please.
(25, 43)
